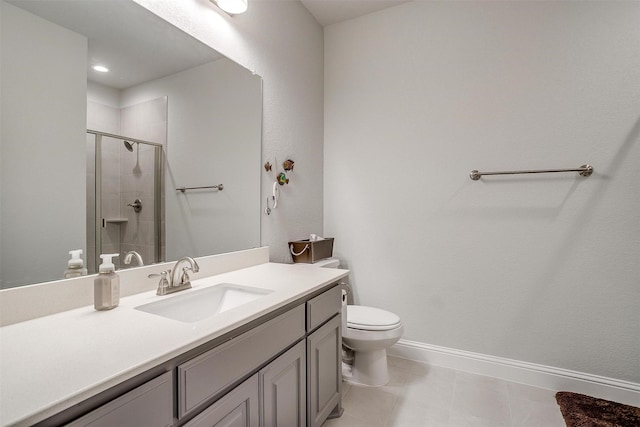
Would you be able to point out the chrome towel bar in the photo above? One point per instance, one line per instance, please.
(219, 187)
(584, 170)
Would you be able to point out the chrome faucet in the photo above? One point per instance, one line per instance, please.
(129, 256)
(178, 281)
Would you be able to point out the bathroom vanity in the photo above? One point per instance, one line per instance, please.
(272, 361)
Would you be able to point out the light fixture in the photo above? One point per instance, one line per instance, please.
(232, 7)
(100, 68)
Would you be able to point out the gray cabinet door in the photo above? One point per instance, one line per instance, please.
(324, 372)
(238, 408)
(151, 405)
(283, 389)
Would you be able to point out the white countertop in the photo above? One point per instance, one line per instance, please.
(50, 363)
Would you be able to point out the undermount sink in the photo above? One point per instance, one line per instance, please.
(201, 304)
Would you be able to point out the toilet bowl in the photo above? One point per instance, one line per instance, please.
(368, 331)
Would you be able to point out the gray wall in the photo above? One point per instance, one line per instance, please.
(39, 221)
(541, 269)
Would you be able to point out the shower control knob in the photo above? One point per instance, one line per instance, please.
(136, 205)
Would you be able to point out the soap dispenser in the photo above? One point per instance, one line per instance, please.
(75, 266)
(106, 286)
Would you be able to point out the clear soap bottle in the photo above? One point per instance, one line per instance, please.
(75, 266)
(106, 286)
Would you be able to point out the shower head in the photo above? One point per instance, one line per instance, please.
(129, 145)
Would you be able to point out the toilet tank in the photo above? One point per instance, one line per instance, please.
(328, 263)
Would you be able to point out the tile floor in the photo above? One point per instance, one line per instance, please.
(423, 395)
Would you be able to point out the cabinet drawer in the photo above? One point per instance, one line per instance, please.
(209, 374)
(323, 307)
(151, 405)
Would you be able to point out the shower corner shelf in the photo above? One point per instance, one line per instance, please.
(106, 221)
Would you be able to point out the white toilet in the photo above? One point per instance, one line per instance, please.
(368, 332)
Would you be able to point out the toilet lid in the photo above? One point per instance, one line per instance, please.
(370, 318)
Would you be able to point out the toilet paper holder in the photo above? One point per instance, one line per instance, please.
(345, 287)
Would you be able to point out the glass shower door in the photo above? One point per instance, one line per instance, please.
(127, 204)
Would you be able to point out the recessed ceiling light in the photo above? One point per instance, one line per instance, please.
(100, 68)
(232, 7)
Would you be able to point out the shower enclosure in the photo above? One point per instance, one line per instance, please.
(124, 199)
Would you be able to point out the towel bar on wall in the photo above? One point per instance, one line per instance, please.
(584, 170)
(219, 187)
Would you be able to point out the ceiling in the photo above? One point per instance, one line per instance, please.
(144, 48)
(120, 50)
(329, 12)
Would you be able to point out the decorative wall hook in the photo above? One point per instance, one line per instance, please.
(287, 165)
(267, 167)
(282, 178)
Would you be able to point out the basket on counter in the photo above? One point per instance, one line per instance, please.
(308, 251)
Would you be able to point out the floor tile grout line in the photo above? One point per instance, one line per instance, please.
(511, 395)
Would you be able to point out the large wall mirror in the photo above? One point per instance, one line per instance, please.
(95, 160)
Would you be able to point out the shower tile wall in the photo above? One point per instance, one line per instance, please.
(126, 176)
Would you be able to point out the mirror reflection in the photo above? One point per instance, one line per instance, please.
(95, 160)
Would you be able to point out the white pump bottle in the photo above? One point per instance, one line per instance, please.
(106, 286)
(75, 266)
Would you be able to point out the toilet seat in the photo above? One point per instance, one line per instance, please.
(371, 319)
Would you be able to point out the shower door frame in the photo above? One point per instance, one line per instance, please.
(157, 184)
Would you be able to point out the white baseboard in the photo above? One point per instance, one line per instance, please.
(520, 372)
